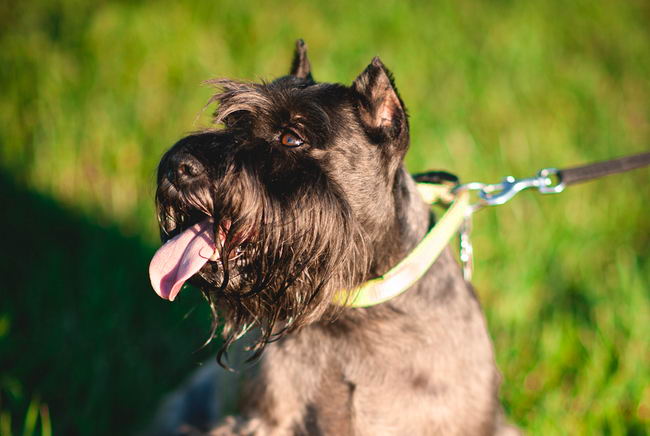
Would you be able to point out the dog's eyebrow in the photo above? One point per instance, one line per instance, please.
(299, 122)
(237, 96)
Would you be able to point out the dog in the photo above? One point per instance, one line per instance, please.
(300, 197)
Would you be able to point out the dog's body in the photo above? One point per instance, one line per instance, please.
(307, 196)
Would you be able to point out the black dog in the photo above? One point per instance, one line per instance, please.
(303, 195)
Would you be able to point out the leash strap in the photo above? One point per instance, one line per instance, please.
(572, 176)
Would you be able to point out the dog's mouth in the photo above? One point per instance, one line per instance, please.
(186, 253)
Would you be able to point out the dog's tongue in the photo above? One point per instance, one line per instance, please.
(180, 258)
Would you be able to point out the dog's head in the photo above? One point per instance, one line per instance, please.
(288, 203)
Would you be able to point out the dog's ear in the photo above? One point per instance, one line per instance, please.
(380, 107)
(300, 67)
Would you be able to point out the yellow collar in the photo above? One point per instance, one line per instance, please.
(417, 262)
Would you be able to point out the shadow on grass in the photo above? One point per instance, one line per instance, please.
(82, 329)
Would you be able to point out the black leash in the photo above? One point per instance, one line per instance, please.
(572, 176)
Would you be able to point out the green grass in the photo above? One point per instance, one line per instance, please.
(92, 93)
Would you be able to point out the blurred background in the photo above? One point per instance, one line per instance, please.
(92, 93)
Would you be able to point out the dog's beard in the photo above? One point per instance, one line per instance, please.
(284, 252)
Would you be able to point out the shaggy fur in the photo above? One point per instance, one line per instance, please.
(304, 217)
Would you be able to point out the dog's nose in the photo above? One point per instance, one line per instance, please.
(184, 168)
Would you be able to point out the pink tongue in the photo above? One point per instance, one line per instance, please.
(180, 258)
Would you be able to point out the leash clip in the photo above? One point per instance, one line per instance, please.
(499, 193)
(496, 194)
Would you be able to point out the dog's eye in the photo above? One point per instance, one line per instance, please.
(290, 139)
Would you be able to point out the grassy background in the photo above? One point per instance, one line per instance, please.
(91, 93)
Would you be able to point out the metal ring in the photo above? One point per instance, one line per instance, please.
(547, 173)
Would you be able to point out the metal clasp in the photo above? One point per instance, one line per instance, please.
(547, 181)
(500, 193)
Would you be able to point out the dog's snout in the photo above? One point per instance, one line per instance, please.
(184, 168)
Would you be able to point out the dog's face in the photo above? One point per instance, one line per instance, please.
(286, 205)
